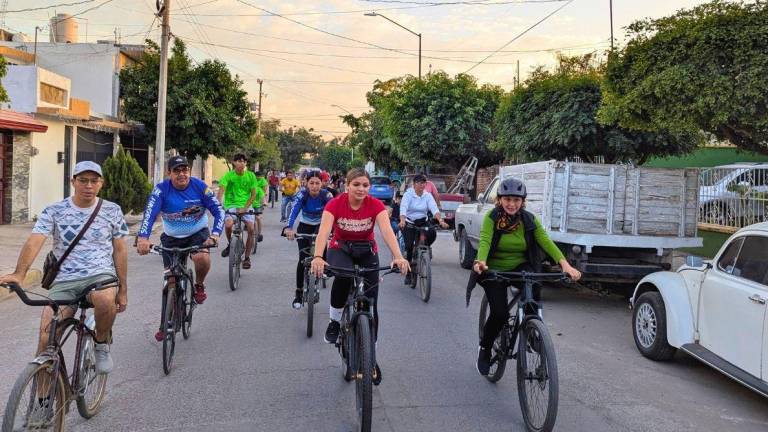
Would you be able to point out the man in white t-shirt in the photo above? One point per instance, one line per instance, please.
(100, 257)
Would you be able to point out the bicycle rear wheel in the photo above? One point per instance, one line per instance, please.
(425, 276)
(32, 405)
(500, 347)
(537, 380)
(169, 327)
(235, 251)
(309, 299)
(363, 372)
(92, 384)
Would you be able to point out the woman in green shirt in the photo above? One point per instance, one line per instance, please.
(511, 239)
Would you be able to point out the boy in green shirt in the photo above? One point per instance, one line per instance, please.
(240, 191)
(262, 188)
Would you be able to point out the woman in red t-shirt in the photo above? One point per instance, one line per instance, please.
(352, 215)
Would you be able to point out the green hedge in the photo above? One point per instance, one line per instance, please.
(707, 157)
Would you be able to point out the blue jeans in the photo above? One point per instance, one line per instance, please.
(283, 205)
(398, 234)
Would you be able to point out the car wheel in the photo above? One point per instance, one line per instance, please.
(649, 327)
(467, 253)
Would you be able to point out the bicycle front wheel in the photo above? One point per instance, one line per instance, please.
(537, 380)
(235, 251)
(425, 276)
(36, 402)
(187, 306)
(364, 372)
(93, 385)
(499, 351)
(169, 327)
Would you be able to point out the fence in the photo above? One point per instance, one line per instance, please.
(733, 197)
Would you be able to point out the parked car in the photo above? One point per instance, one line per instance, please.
(381, 188)
(713, 310)
(734, 194)
(448, 202)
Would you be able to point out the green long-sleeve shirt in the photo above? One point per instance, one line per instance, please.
(510, 252)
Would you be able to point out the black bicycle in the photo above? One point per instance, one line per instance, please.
(42, 394)
(312, 283)
(237, 247)
(537, 379)
(422, 262)
(356, 342)
(179, 303)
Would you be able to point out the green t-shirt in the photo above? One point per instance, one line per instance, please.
(510, 252)
(237, 189)
(261, 186)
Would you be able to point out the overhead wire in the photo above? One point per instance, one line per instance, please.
(32, 9)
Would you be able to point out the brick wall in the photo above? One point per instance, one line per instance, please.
(484, 177)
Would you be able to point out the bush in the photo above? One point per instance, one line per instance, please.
(125, 183)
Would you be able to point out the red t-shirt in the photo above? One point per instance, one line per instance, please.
(353, 225)
(274, 180)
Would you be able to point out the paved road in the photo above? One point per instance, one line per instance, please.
(249, 366)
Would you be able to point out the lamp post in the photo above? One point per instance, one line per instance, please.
(373, 14)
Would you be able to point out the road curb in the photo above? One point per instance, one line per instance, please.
(34, 276)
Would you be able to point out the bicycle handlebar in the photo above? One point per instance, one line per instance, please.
(14, 287)
(160, 248)
(524, 275)
(351, 271)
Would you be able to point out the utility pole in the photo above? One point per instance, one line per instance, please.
(518, 74)
(162, 92)
(610, 7)
(258, 124)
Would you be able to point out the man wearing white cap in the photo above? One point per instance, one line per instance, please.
(99, 257)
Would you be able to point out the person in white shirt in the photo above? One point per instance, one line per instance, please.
(417, 208)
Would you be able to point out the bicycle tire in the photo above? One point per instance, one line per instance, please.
(234, 263)
(188, 307)
(91, 382)
(364, 373)
(535, 338)
(256, 234)
(425, 276)
(500, 346)
(309, 300)
(347, 348)
(169, 324)
(18, 397)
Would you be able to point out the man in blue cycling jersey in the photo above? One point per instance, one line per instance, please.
(182, 201)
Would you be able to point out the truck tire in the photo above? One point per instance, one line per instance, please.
(467, 253)
(649, 327)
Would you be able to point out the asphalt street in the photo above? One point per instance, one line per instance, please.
(250, 367)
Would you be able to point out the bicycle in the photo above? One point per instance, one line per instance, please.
(178, 304)
(237, 247)
(42, 394)
(356, 342)
(422, 267)
(272, 196)
(310, 296)
(256, 231)
(537, 377)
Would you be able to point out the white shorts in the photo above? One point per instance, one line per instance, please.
(248, 218)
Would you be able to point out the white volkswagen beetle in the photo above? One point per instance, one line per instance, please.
(713, 310)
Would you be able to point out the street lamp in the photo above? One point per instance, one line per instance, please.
(373, 14)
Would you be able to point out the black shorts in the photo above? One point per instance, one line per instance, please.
(196, 239)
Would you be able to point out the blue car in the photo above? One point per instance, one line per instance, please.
(381, 188)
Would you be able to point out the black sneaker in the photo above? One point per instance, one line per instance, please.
(376, 374)
(260, 238)
(332, 332)
(483, 361)
(225, 252)
(297, 300)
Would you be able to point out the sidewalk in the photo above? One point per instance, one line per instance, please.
(12, 238)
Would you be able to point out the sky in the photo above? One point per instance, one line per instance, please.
(319, 58)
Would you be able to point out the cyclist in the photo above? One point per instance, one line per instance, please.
(182, 201)
(310, 202)
(415, 208)
(326, 179)
(289, 186)
(261, 202)
(100, 255)
(274, 183)
(352, 216)
(394, 218)
(511, 239)
(240, 190)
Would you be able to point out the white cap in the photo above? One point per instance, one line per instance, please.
(84, 166)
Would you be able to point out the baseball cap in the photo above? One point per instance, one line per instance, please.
(177, 161)
(84, 166)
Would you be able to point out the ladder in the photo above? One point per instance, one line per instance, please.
(465, 178)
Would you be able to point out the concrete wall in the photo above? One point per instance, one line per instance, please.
(55, 80)
(45, 173)
(21, 85)
(22, 148)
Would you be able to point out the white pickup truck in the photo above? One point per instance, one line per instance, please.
(615, 223)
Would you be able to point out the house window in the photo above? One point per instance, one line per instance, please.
(53, 95)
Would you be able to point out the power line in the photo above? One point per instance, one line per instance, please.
(50, 7)
(519, 35)
(465, 3)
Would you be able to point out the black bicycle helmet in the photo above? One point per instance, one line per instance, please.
(511, 186)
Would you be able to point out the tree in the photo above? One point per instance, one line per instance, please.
(334, 157)
(3, 70)
(553, 116)
(125, 182)
(207, 109)
(700, 69)
(440, 120)
(264, 151)
(294, 144)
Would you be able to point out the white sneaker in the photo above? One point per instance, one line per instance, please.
(104, 363)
